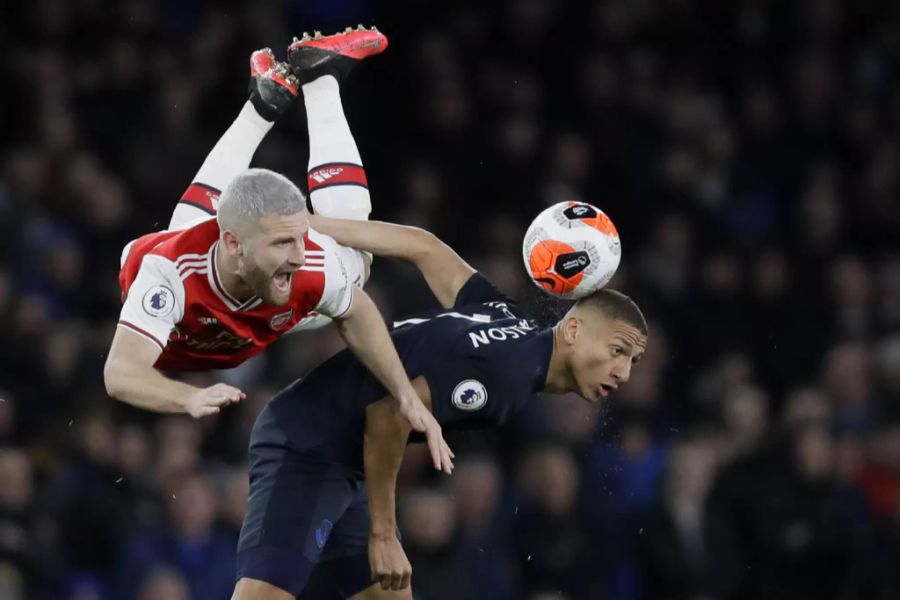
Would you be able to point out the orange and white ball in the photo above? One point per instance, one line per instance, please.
(571, 250)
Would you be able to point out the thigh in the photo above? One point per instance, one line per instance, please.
(343, 570)
(374, 592)
(295, 500)
(254, 589)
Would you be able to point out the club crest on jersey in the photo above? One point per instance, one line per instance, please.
(469, 394)
(158, 301)
(281, 319)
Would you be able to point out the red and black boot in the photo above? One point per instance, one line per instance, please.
(272, 86)
(317, 55)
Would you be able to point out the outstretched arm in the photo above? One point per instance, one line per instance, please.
(365, 333)
(444, 270)
(129, 376)
(385, 441)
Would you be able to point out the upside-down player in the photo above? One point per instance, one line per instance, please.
(325, 452)
(236, 271)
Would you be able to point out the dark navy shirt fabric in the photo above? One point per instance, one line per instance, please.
(483, 360)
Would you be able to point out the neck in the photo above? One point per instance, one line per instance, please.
(227, 266)
(559, 378)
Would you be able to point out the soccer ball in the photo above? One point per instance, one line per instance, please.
(571, 250)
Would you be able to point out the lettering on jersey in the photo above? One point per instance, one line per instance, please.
(500, 334)
(280, 320)
(502, 306)
(477, 318)
(469, 395)
(207, 320)
(158, 301)
(224, 341)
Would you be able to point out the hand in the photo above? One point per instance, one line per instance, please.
(209, 401)
(421, 419)
(388, 561)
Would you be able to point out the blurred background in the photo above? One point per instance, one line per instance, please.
(747, 152)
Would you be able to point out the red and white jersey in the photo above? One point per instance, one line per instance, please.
(172, 295)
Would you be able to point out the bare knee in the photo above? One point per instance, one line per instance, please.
(374, 592)
(254, 589)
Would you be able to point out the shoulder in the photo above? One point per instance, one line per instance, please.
(478, 289)
(170, 256)
(318, 242)
(190, 242)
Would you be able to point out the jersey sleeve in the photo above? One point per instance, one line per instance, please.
(479, 289)
(337, 295)
(155, 300)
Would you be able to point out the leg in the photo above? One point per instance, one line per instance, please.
(344, 570)
(337, 181)
(254, 589)
(374, 592)
(295, 501)
(272, 91)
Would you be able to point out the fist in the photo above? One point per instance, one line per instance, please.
(389, 564)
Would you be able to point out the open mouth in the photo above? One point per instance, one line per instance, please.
(282, 282)
(605, 389)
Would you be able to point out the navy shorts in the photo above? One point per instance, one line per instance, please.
(306, 530)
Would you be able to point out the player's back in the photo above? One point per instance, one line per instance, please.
(482, 360)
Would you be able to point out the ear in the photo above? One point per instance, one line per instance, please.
(232, 244)
(572, 327)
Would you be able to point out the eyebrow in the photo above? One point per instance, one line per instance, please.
(629, 346)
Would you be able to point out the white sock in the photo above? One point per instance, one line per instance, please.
(235, 149)
(231, 155)
(337, 181)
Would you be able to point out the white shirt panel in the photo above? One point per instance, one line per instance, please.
(155, 301)
(338, 293)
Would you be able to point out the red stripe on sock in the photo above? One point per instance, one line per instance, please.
(202, 196)
(336, 174)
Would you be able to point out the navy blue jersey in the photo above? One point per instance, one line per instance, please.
(483, 360)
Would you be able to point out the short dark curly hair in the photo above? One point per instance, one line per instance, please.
(617, 306)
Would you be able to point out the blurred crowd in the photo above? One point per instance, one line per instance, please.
(747, 152)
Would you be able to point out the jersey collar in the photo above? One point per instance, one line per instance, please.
(215, 282)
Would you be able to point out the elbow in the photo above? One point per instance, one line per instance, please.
(424, 245)
(114, 379)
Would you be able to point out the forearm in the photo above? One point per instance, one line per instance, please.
(384, 444)
(367, 336)
(146, 388)
(443, 269)
(381, 239)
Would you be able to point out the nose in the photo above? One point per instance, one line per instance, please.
(297, 257)
(622, 371)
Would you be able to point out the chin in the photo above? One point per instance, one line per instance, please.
(278, 300)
